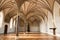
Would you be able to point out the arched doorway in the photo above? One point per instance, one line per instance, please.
(5, 29)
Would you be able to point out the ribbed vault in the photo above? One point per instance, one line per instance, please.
(58, 1)
(28, 9)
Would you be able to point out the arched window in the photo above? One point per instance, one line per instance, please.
(11, 23)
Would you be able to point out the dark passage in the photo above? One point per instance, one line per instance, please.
(5, 29)
(28, 28)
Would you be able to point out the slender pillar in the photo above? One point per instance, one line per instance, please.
(17, 26)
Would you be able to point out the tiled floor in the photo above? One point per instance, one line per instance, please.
(28, 37)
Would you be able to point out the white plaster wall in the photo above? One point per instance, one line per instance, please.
(57, 17)
(1, 22)
(34, 29)
(50, 23)
(11, 27)
(21, 29)
(44, 28)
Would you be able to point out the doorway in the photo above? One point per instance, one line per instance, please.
(5, 29)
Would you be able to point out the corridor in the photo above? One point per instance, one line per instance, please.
(29, 19)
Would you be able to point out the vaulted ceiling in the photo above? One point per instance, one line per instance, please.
(29, 10)
(58, 1)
